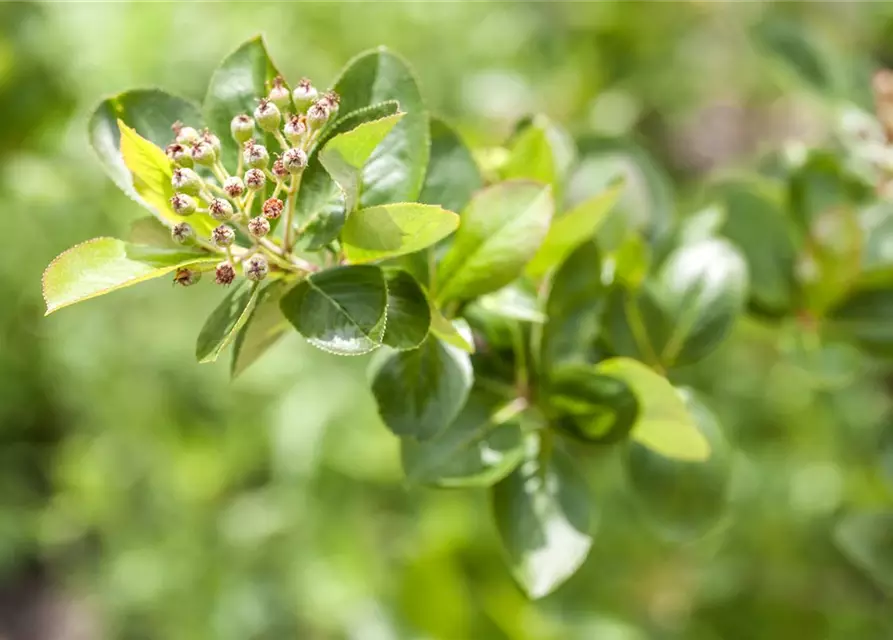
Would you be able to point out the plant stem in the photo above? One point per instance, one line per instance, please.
(291, 201)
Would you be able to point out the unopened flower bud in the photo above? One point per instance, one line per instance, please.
(203, 153)
(294, 160)
(182, 204)
(223, 236)
(187, 277)
(242, 128)
(224, 273)
(332, 100)
(279, 170)
(258, 227)
(279, 94)
(185, 135)
(256, 267)
(304, 94)
(318, 113)
(220, 209)
(255, 155)
(234, 186)
(267, 115)
(179, 154)
(295, 128)
(255, 179)
(186, 181)
(182, 232)
(212, 140)
(272, 208)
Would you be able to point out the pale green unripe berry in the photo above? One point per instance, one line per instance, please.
(220, 209)
(182, 204)
(304, 94)
(256, 267)
(258, 227)
(295, 129)
(179, 154)
(279, 94)
(294, 160)
(182, 233)
(212, 140)
(255, 155)
(203, 153)
(223, 236)
(234, 187)
(255, 179)
(242, 128)
(224, 273)
(267, 116)
(185, 135)
(319, 113)
(187, 277)
(186, 180)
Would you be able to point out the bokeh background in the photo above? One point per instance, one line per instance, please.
(146, 497)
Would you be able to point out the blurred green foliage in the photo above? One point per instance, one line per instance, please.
(155, 499)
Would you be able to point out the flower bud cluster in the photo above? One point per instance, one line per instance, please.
(202, 184)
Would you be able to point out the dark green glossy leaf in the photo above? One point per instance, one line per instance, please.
(683, 497)
(241, 79)
(545, 520)
(591, 406)
(453, 176)
(823, 184)
(790, 45)
(391, 230)
(102, 265)
(262, 330)
(866, 538)
(396, 170)
(420, 392)
(226, 320)
(409, 314)
(864, 316)
(502, 228)
(479, 448)
(340, 310)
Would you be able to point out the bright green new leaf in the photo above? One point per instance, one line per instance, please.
(684, 498)
(224, 323)
(591, 406)
(572, 229)
(345, 155)
(102, 265)
(409, 314)
(453, 175)
(448, 331)
(479, 448)
(262, 330)
(340, 310)
(243, 77)
(502, 227)
(530, 157)
(865, 538)
(396, 170)
(420, 392)
(390, 230)
(545, 520)
(514, 303)
(664, 424)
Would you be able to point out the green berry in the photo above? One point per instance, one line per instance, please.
(234, 187)
(294, 160)
(255, 155)
(220, 209)
(185, 135)
(223, 236)
(304, 94)
(203, 153)
(179, 154)
(182, 204)
(181, 233)
(267, 116)
(186, 180)
(279, 94)
(295, 129)
(255, 179)
(242, 128)
(258, 227)
(256, 267)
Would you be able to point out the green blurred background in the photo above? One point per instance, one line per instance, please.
(144, 497)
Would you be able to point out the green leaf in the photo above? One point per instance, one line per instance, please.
(396, 170)
(591, 406)
(262, 330)
(453, 176)
(340, 310)
(150, 113)
(345, 155)
(545, 520)
(242, 78)
(864, 316)
(502, 228)
(687, 310)
(664, 425)
(570, 230)
(391, 230)
(788, 44)
(103, 265)
(684, 497)
(575, 306)
(409, 314)
(514, 303)
(150, 231)
(150, 172)
(479, 448)
(420, 392)
(446, 330)
(866, 538)
(225, 321)
(530, 156)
